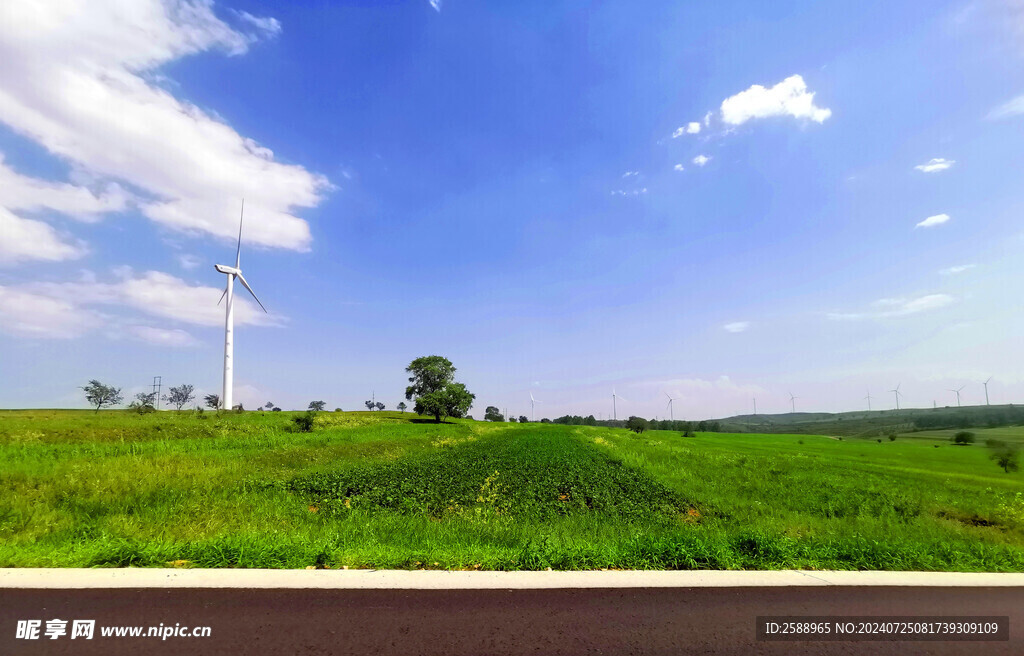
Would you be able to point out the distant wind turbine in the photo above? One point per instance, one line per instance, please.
(229, 312)
(533, 415)
(957, 392)
(615, 415)
(670, 414)
(868, 397)
(898, 394)
(792, 401)
(986, 389)
(755, 406)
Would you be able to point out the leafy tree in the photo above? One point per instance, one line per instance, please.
(99, 395)
(180, 396)
(317, 406)
(452, 400)
(369, 405)
(380, 405)
(512, 418)
(269, 405)
(1008, 458)
(276, 409)
(545, 420)
(964, 437)
(429, 374)
(523, 419)
(493, 414)
(402, 406)
(144, 402)
(636, 424)
(212, 401)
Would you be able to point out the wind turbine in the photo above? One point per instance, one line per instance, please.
(897, 392)
(957, 392)
(755, 406)
(868, 397)
(986, 389)
(229, 314)
(792, 401)
(533, 415)
(670, 400)
(615, 415)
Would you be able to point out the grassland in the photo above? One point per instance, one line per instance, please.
(388, 490)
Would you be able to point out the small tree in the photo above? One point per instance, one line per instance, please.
(402, 406)
(269, 405)
(212, 401)
(369, 405)
(317, 406)
(964, 437)
(636, 424)
(380, 405)
(276, 409)
(1008, 458)
(523, 419)
(180, 396)
(304, 422)
(99, 395)
(493, 414)
(144, 402)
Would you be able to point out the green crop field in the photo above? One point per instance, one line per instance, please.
(390, 490)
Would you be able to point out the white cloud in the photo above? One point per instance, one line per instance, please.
(736, 326)
(25, 314)
(1011, 108)
(678, 167)
(19, 192)
(953, 270)
(66, 65)
(628, 174)
(897, 307)
(162, 336)
(935, 164)
(436, 4)
(787, 98)
(693, 127)
(635, 192)
(268, 27)
(933, 221)
(29, 239)
(157, 294)
(707, 119)
(701, 160)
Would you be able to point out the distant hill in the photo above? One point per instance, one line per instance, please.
(878, 422)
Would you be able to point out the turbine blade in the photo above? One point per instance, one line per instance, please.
(238, 252)
(223, 295)
(241, 279)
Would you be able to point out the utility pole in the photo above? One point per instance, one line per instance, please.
(157, 385)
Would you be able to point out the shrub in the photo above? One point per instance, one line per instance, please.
(964, 437)
(304, 422)
(892, 437)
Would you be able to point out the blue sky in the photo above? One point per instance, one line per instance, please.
(711, 201)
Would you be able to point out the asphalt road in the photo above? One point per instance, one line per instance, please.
(491, 622)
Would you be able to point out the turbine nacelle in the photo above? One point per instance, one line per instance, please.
(231, 271)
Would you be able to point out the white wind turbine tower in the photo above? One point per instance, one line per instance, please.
(229, 314)
(986, 389)
(533, 415)
(615, 415)
(671, 416)
(898, 394)
(792, 401)
(957, 392)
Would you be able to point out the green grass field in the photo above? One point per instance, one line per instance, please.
(387, 490)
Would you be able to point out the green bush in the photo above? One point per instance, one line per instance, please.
(964, 437)
(304, 422)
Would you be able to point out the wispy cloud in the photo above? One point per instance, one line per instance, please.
(678, 167)
(634, 192)
(932, 221)
(935, 164)
(629, 174)
(736, 326)
(172, 337)
(787, 98)
(897, 307)
(188, 262)
(1011, 108)
(27, 314)
(701, 160)
(436, 4)
(953, 270)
